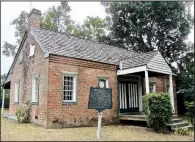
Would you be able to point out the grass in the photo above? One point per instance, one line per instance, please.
(11, 130)
(5, 111)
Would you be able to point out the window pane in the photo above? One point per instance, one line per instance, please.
(68, 88)
(70, 97)
(16, 93)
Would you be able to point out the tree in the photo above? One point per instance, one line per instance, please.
(9, 49)
(144, 26)
(185, 79)
(92, 28)
(3, 77)
(55, 18)
(20, 24)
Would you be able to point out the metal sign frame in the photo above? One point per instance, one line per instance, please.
(95, 104)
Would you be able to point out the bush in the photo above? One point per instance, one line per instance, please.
(22, 113)
(158, 110)
(190, 111)
(182, 131)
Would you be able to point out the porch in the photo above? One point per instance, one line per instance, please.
(132, 117)
(133, 83)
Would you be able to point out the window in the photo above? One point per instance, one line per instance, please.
(32, 50)
(16, 92)
(35, 89)
(69, 87)
(152, 87)
(103, 82)
(21, 57)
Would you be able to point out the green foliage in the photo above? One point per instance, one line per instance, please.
(143, 26)
(185, 79)
(9, 49)
(145, 103)
(157, 107)
(190, 111)
(57, 18)
(22, 112)
(182, 131)
(3, 77)
(92, 28)
(20, 24)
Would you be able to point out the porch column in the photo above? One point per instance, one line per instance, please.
(171, 91)
(3, 97)
(147, 82)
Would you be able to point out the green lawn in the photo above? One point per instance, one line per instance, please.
(5, 111)
(11, 130)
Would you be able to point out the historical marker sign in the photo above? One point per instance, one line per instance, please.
(100, 98)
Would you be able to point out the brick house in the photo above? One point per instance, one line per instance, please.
(55, 71)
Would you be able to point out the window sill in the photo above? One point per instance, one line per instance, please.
(34, 103)
(16, 103)
(64, 103)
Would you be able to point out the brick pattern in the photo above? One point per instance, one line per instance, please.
(23, 73)
(34, 21)
(87, 77)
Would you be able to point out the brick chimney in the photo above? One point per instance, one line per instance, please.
(34, 19)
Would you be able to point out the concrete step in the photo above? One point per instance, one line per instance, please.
(176, 120)
(179, 124)
(174, 116)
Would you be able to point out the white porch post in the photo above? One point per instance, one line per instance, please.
(3, 97)
(171, 91)
(147, 82)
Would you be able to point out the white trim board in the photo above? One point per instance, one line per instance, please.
(131, 70)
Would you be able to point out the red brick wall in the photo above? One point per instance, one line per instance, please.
(23, 73)
(87, 77)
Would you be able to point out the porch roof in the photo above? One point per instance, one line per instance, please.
(153, 62)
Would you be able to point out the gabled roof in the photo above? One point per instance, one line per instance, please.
(138, 59)
(70, 46)
(74, 47)
(8, 77)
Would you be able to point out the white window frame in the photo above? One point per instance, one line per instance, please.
(74, 94)
(103, 78)
(21, 57)
(35, 89)
(16, 91)
(32, 50)
(154, 87)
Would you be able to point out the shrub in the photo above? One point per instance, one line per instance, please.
(158, 110)
(22, 113)
(182, 131)
(190, 111)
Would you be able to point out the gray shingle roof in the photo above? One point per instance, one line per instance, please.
(138, 59)
(71, 46)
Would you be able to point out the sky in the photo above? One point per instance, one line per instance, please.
(79, 11)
